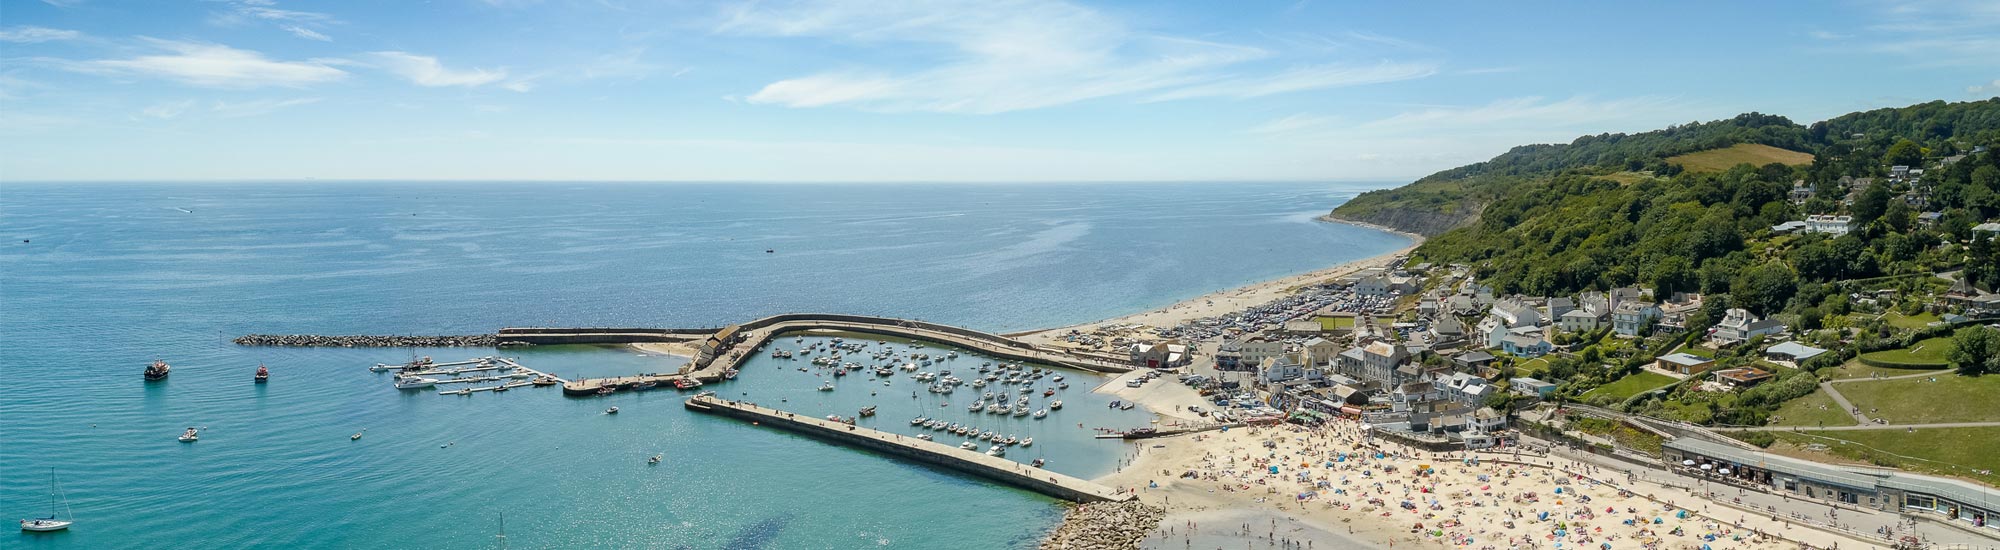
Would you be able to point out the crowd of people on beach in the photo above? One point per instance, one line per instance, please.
(1486, 501)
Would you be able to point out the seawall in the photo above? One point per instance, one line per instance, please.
(1001, 470)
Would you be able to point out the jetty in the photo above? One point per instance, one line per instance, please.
(1060, 486)
(729, 347)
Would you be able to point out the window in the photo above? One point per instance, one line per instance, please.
(1919, 501)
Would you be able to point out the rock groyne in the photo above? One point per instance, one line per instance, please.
(364, 341)
(1105, 526)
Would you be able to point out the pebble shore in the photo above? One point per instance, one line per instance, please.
(358, 341)
(1105, 526)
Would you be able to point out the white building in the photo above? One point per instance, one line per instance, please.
(1828, 224)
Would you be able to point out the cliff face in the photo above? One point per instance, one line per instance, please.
(1426, 222)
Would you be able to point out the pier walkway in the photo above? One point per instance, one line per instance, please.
(1005, 471)
(758, 333)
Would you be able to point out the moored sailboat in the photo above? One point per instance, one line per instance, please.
(42, 525)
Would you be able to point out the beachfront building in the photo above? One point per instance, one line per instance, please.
(1375, 362)
(1160, 355)
(1738, 326)
(717, 344)
(1321, 352)
(1683, 363)
(1949, 500)
(1259, 350)
(1229, 356)
(1285, 368)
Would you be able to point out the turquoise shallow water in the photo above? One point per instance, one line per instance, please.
(115, 275)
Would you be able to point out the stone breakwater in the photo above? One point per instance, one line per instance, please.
(361, 341)
(1105, 526)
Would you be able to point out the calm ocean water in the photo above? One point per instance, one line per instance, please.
(112, 276)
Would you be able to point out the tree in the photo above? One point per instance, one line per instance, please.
(1898, 215)
(1873, 202)
(1672, 274)
(1904, 153)
(1763, 289)
(1975, 351)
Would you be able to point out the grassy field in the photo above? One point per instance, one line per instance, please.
(1697, 351)
(1532, 368)
(1815, 409)
(1856, 369)
(1952, 398)
(1928, 352)
(1942, 451)
(1909, 322)
(1631, 385)
(1717, 160)
(1627, 177)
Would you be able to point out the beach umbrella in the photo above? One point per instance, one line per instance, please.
(1708, 466)
(1689, 462)
(1723, 471)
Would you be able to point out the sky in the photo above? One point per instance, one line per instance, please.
(931, 91)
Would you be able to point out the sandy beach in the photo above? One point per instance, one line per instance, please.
(1235, 299)
(1294, 487)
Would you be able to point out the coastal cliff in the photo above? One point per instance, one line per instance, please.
(1425, 222)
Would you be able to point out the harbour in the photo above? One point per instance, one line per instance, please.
(566, 473)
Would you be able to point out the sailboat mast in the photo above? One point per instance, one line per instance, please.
(503, 531)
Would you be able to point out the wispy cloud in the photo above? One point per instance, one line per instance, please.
(213, 65)
(1294, 123)
(1534, 111)
(427, 71)
(167, 109)
(1988, 88)
(1491, 70)
(1300, 79)
(303, 24)
(1021, 54)
(306, 33)
(257, 107)
(1936, 32)
(30, 34)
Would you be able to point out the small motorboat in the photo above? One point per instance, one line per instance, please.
(1127, 406)
(826, 387)
(1029, 442)
(729, 374)
(357, 435)
(654, 460)
(925, 437)
(545, 380)
(613, 410)
(647, 385)
(868, 410)
(1062, 386)
(263, 374)
(606, 390)
(158, 370)
(919, 421)
(970, 446)
(1055, 405)
(1037, 463)
(997, 450)
(190, 436)
(1041, 413)
(687, 384)
(1046, 393)
(501, 388)
(414, 382)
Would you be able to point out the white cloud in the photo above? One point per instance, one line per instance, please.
(62, 3)
(258, 107)
(1532, 112)
(427, 71)
(168, 109)
(214, 65)
(1021, 54)
(30, 34)
(1936, 32)
(1991, 87)
(306, 33)
(1491, 70)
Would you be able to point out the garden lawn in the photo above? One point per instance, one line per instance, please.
(1927, 352)
(1631, 385)
(1952, 398)
(1815, 409)
(1943, 451)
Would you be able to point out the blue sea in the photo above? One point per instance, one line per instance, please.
(96, 280)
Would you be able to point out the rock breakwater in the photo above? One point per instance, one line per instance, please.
(365, 341)
(1105, 526)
